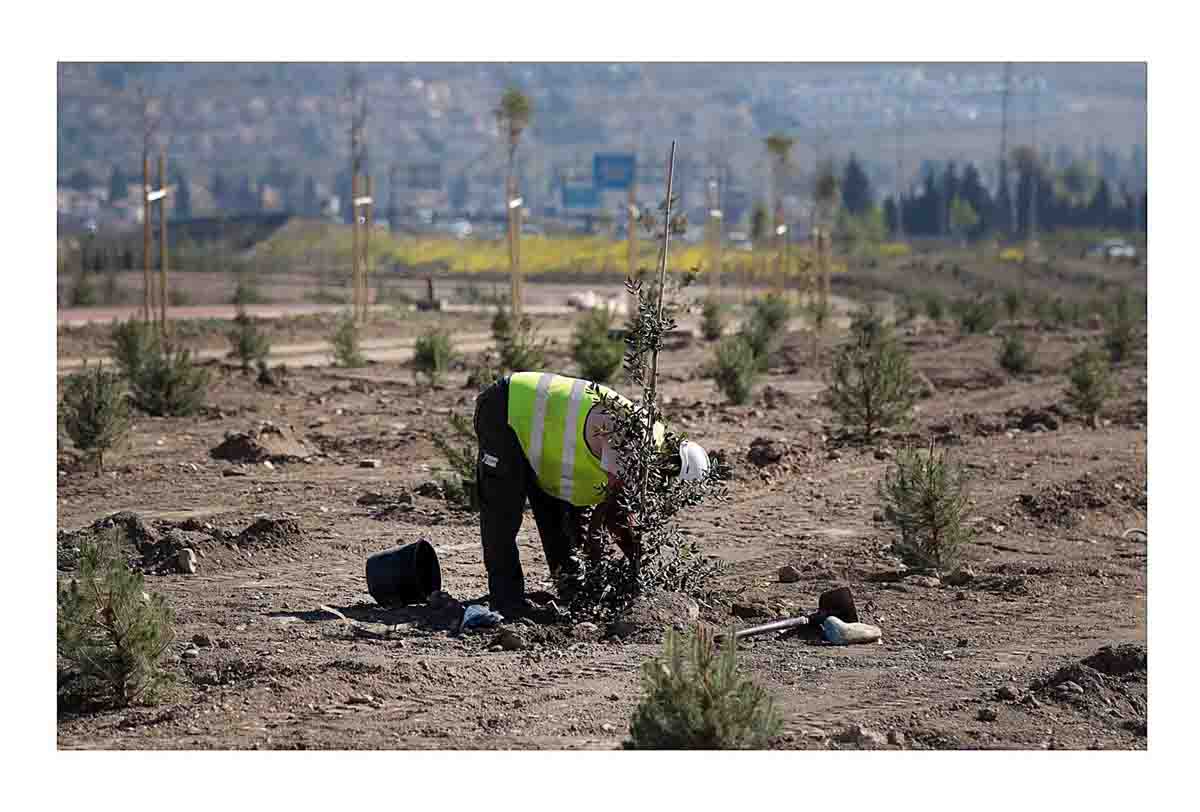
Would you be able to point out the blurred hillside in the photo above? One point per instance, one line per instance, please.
(285, 127)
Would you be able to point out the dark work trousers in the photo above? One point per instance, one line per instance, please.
(505, 479)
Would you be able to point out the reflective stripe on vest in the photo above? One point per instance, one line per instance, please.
(548, 413)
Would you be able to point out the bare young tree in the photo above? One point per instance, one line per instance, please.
(512, 117)
(779, 148)
(150, 111)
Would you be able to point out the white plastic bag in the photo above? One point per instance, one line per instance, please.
(841, 633)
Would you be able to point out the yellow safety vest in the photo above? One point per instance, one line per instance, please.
(548, 413)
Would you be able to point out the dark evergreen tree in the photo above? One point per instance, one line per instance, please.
(972, 190)
(81, 180)
(310, 205)
(758, 223)
(220, 192)
(1001, 212)
(926, 208)
(890, 215)
(118, 185)
(246, 198)
(459, 192)
(949, 191)
(183, 197)
(856, 188)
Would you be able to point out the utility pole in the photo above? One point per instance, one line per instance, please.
(368, 217)
(359, 198)
(393, 208)
(713, 234)
(147, 287)
(1034, 174)
(900, 175)
(1003, 168)
(150, 120)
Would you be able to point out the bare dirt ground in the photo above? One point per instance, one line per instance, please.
(968, 666)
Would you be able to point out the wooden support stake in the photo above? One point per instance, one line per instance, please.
(354, 245)
(162, 244)
(147, 287)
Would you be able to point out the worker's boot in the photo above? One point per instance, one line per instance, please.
(525, 609)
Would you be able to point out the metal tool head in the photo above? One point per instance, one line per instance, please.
(839, 603)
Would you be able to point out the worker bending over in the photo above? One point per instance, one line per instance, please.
(545, 438)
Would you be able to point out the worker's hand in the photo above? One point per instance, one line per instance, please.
(609, 518)
(623, 529)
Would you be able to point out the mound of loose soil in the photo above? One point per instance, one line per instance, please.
(267, 442)
(1028, 419)
(1108, 685)
(145, 548)
(651, 612)
(271, 532)
(764, 451)
(1062, 505)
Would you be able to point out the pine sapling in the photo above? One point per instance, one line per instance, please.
(347, 343)
(978, 316)
(248, 344)
(925, 498)
(169, 384)
(734, 369)
(130, 344)
(1090, 384)
(1121, 330)
(111, 633)
(518, 346)
(433, 354)
(871, 383)
(461, 451)
(694, 699)
(1014, 358)
(712, 320)
(95, 412)
(1012, 303)
(935, 307)
(598, 354)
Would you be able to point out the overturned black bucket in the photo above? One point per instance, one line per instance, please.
(408, 574)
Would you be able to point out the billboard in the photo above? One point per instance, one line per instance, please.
(425, 176)
(613, 170)
(575, 196)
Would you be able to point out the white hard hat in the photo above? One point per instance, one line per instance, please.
(693, 461)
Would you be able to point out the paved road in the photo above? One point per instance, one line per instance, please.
(317, 353)
(80, 316)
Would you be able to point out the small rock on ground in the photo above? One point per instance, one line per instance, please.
(185, 561)
(508, 640)
(586, 631)
(788, 574)
(861, 737)
(960, 577)
(987, 715)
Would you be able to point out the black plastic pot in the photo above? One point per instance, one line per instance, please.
(404, 575)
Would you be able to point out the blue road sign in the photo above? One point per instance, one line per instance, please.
(613, 170)
(580, 197)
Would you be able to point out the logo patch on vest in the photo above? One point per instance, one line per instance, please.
(490, 461)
